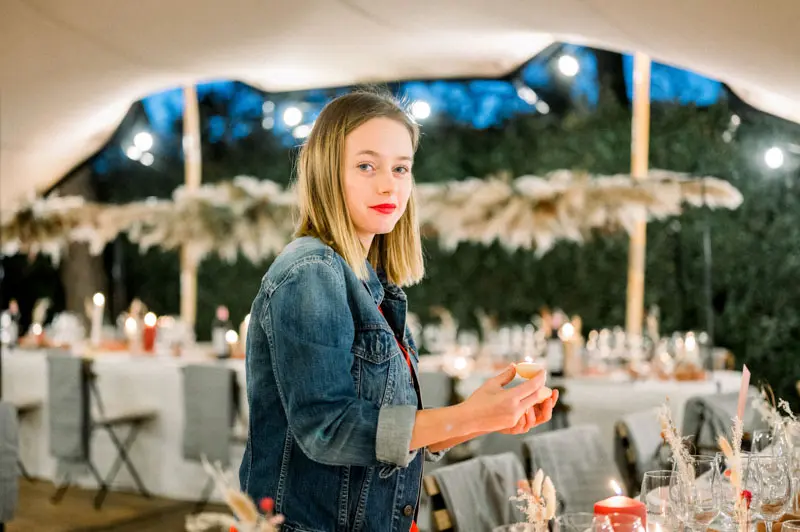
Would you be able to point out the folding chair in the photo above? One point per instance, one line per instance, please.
(24, 410)
(211, 406)
(73, 391)
(9, 449)
(473, 496)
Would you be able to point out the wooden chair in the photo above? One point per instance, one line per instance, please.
(441, 519)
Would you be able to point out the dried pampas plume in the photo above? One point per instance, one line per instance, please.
(680, 454)
(539, 500)
(245, 518)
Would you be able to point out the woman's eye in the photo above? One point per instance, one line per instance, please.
(402, 170)
(366, 167)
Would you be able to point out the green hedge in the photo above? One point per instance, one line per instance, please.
(755, 249)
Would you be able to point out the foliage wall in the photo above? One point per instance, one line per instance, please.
(756, 250)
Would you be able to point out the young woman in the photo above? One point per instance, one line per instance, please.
(337, 432)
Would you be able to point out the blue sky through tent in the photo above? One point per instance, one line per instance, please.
(479, 103)
(671, 84)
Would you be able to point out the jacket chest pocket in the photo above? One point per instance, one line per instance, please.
(378, 370)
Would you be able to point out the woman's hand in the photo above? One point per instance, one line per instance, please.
(538, 415)
(498, 409)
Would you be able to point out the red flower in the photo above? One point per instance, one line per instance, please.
(232, 529)
(747, 496)
(267, 504)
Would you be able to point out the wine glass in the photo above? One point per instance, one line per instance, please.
(624, 523)
(773, 440)
(768, 479)
(515, 527)
(655, 496)
(695, 500)
(790, 526)
(582, 522)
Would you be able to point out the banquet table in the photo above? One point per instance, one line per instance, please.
(604, 400)
(137, 382)
(126, 383)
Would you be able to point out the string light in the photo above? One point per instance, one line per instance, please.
(133, 153)
(143, 141)
(420, 109)
(774, 157)
(568, 65)
(301, 132)
(292, 116)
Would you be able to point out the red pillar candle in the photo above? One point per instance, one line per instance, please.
(619, 504)
(149, 332)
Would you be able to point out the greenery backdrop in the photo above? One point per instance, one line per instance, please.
(756, 249)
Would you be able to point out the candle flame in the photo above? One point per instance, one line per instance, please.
(231, 336)
(566, 332)
(130, 325)
(36, 328)
(460, 363)
(529, 360)
(150, 319)
(99, 299)
(615, 486)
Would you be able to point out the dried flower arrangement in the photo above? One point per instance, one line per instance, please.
(245, 518)
(733, 455)
(777, 414)
(539, 500)
(680, 454)
(253, 217)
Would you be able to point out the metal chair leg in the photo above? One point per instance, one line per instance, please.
(103, 491)
(123, 456)
(24, 472)
(61, 491)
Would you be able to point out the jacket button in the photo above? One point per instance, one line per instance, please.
(408, 511)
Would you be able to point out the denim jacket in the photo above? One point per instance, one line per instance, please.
(332, 400)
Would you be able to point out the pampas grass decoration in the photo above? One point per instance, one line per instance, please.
(539, 500)
(254, 217)
(246, 517)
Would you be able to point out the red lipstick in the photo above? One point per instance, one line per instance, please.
(384, 208)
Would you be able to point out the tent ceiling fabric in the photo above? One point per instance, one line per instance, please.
(69, 70)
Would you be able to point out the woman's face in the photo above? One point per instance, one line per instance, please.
(377, 176)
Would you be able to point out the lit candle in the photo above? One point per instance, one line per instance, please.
(38, 333)
(232, 338)
(243, 334)
(149, 333)
(131, 332)
(99, 301)
(619, 504)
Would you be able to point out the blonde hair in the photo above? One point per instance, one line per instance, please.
(320, 191)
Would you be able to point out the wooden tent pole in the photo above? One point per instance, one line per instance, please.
(192, 176)
(640, 152)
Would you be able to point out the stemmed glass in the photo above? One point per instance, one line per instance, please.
(773, 440)
(655, 496)
(769, 481)
(695, 501)
(623, 523)
(582, 522)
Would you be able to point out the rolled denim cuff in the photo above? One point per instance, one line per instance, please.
(393, 438)
(435, 457)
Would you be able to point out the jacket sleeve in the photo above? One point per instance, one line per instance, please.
(310, 330)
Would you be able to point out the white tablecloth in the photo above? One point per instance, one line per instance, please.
(604, 401)
(125, 383)
(140, 382)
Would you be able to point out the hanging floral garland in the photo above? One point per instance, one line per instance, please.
(254, 217)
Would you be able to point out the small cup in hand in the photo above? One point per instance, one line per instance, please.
(528, 370)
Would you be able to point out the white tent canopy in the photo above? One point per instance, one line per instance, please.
(70, 69)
